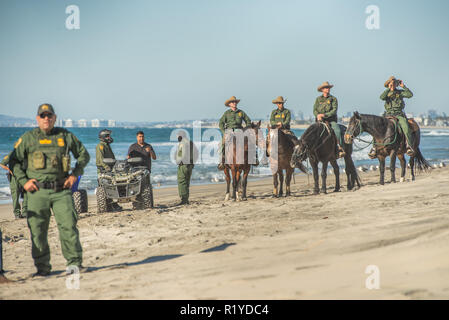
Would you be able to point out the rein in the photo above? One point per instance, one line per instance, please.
(382, 144)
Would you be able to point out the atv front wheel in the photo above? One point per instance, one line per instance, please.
(147, 196)
(103, 204)
(80, 201)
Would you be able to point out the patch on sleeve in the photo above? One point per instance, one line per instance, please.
(5, 158)
(101, 147)
(18, 143)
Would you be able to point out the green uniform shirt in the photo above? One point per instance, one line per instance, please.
(233, 120)
(283, 116)
(327, 106)
(103, 150)
(42, 155)
(394, 100)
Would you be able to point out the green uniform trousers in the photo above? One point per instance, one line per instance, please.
(184, 175)
(337, 131)
(39, 205)
(404, 126)
(15, 194)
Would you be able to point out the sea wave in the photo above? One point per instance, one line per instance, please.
(436, 133)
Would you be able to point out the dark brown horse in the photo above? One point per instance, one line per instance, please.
(280, 149)
(237, 164)
(389, 142)
(318, 143)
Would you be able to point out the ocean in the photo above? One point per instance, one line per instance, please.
(434, 146)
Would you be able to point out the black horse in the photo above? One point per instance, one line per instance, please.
(318, 143)
(389, 142)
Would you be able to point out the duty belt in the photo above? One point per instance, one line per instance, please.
(53, 185)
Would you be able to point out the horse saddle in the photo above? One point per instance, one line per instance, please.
(412, 124)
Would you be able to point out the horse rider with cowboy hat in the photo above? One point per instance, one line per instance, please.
(394, 106)
(231, 119)
(281, 117)
(325, 109)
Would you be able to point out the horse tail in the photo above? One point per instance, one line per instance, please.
(421, 164)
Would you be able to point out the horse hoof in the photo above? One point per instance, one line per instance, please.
(274, 196)
(227, 197)
(336, 190)
(287, 194)
(324, 191)
(413, 178)
(316, 192)
(402, 180)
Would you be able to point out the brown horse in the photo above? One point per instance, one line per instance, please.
(280, 160)
(237, 164)
(389, 142)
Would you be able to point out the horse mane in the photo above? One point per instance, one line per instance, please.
(311, 133)
(376, 120)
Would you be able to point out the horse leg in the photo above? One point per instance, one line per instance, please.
(381, 169)
(403, 166)
(288, 178)
(337, 175)
(393, 166)
(244, 183)
(316, 189)
(281, 182)
(237, 183)
(412, 167)
(228, 182)
(323, 177)
(275, 185)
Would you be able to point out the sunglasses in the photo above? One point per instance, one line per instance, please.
(46, 115)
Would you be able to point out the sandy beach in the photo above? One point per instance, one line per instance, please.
(300, 247)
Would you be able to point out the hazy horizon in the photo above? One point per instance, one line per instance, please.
(177, 60)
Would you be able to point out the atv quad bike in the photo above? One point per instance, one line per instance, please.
(128, 181)
(79, 197)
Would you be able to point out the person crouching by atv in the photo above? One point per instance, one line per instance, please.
(103, 151)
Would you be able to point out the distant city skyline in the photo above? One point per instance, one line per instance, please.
(177, 60)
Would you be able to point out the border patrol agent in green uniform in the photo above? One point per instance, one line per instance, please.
(325, 109)
(394, 106)
(186, 156)
(48, 181)
(104, 150)
(231, 119)
(16, 189)
(281, 117)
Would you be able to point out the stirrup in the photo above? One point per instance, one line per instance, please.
(372, 154)
(410, 152)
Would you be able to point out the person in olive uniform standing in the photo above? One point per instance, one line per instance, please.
(281, 118)
(104, 150)
(16, 189)
(186, 156)
(231, 119)
(325, 109)
(394, 106)
(48, 180)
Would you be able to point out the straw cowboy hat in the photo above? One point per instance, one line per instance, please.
(392, 78)
(231, 99)
(279, 99)
(325, 85)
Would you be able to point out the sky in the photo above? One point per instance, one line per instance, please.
(145, 60)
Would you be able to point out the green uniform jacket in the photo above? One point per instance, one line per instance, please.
(394, 100)
(283, 116)
(103, 150)
(233, 120)
(42, 155)
(327, 106)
